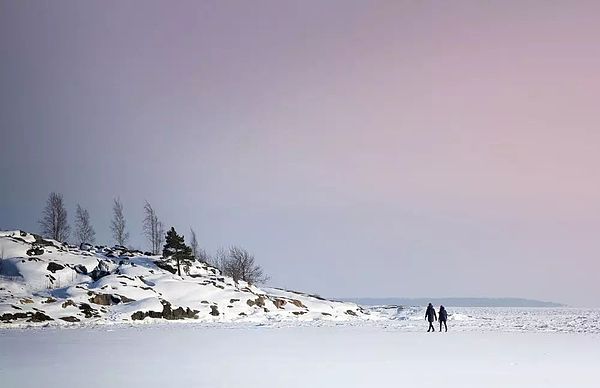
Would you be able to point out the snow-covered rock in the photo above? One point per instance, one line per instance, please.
(43, 281)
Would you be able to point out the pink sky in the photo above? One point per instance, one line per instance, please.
(405, 148)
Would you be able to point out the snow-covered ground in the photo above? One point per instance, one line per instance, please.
(111, 317)
(504, 319)
(44, 282)
(336, 355)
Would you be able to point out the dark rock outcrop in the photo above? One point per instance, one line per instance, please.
(35, 251)
(100, 271)
(8, 317)
(70, 319)
(279, 303)
(88, 311)
(86, 247)
(167, 313)
(39, 316)
(105, 299)
(67, 303)
(162, 265)
(31, 316)
(260, 302)
(53, 267)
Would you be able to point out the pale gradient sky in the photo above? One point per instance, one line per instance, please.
(358, 148)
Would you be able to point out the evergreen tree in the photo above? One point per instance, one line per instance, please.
(175, 248)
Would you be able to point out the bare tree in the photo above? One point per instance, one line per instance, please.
(160, 236)
(153, 229)
(194, 244)
(203, 256)
(219, 259)
(118, 223)
(240, 265)
(84, 231)
(198, 253)
(54, 222)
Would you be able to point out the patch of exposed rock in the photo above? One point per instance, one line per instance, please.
(166, 313)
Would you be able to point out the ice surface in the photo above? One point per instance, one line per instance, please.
(242, 355)
(505, 319)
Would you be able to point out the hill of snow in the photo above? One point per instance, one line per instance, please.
(45, 282)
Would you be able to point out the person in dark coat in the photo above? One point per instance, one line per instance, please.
(430, 316)
(443, 317)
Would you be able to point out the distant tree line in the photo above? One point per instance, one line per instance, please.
(235, 261)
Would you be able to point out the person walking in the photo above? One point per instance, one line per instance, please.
(430, 316)
(443, 317)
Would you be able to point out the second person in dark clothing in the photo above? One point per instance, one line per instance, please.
(430, 316)
(443, 317)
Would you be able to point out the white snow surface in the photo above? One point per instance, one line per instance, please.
(350, 354)
(497, 319)
(43, 282)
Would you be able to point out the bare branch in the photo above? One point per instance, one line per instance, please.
(54, 222)
(84, 232)
(153, 229)
(118, 223)
(241, 265)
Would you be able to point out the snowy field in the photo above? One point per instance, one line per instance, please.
(391, 353)
(505, 319)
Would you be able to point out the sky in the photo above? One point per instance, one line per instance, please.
(356, 148)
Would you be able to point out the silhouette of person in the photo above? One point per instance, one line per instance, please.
(443, 317)
(430, 316)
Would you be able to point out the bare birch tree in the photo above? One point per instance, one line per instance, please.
(198, 253)
(118, 223)
(84, 231)
(54, 222)
(153, 229)
(160, 236)
(194, 244)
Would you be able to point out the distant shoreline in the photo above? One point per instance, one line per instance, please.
(455, 302)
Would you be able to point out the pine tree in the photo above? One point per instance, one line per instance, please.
(175, 248)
